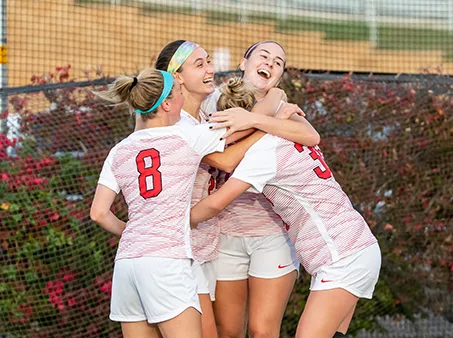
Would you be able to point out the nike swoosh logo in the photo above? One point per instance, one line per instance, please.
(326, 281)
(283, 266)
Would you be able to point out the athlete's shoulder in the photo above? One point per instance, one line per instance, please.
(187, 119)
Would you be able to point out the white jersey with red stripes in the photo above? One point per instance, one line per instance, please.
(155, 170)
(206, 236)
(319, 217)
(250, 214)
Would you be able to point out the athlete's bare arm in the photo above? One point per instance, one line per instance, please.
(215, 203)
(270, 103)
(288, 123)
(230, 158)
(100, 210)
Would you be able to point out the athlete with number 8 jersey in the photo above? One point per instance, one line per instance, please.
(154, 292)
(332, 240)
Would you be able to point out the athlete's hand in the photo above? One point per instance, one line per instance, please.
(286, 110)
(279, 92)
(234, 119)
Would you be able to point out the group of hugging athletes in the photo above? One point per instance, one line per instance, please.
(227, 194)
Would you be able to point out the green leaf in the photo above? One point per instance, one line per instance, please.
(31, 276)
(17, 217)
(10, 272)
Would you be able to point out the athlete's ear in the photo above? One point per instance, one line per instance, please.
(178, 77)
(242, 64)
(166, 105)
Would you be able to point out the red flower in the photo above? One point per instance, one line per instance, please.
(54, 216)
(112, 241)
(68, 277)
(107, 287)
(54, 299)
(37, 180)
(71, 302)
(46, 161)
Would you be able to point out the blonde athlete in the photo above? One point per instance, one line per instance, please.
(257, 265)
(332, 240)
(154, 292)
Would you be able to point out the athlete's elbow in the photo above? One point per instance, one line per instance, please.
(226, 165)
(228, 168)
(97, 215)
(216, 207)
(313, 139)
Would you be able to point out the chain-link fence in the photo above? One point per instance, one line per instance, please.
(387, 138)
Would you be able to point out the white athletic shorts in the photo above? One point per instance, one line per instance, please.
(357, 273)
(206, 276)
(270, 256)
(154, 289)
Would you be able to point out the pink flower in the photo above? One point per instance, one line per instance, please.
(388, 227)
(49, 286)
(68, 277)
(37, 181)
(54, 299)
(71, 302)
(54, 216)
(106, 287)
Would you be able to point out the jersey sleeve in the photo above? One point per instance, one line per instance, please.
(209, 105)
(204, 140)
(259, 165)
(107, 177)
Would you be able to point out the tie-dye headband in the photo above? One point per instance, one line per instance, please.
(181, 55)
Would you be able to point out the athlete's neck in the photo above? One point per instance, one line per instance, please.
(160, 120)
(192, 104)
(259, 95)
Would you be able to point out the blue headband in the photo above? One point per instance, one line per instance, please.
(168, 85)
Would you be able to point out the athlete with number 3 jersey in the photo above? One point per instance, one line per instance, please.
(154, 292)
(332, 240)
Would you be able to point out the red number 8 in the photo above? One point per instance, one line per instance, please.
(146, 172)
(316, 155)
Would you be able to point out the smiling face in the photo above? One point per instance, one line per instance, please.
(197, 74)
(264, 66)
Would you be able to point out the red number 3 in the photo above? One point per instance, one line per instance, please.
(146, 172)
(316, 155)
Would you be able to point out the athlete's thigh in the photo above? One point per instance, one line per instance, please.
(233, 261)
(230, 308)
(185, 325)
(208, 324)
(271, 256)
(267, 303)
(324, 312)
(140, 329)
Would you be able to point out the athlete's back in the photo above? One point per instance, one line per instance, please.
(155, 170)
